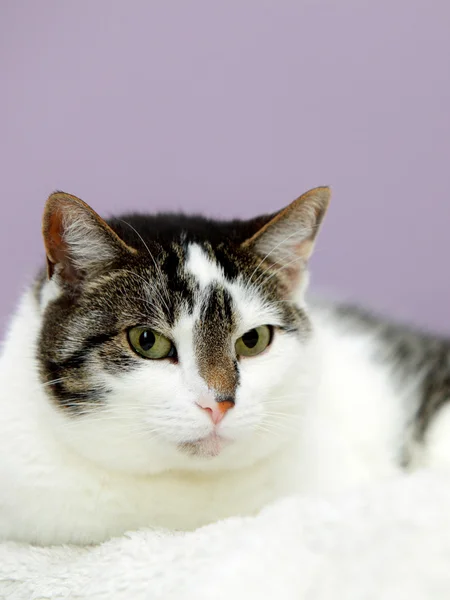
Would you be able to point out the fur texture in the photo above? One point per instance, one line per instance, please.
(98, 440)
(388, 541)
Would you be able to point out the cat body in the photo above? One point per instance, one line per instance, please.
(167, 372)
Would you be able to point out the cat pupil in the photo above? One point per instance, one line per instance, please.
(147, 340)
(250, 338)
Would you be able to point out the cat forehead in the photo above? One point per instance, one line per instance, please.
(202, 268)
(251, 308)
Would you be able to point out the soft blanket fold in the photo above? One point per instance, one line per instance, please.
(390, 541)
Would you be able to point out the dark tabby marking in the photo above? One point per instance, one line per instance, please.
(217, 364)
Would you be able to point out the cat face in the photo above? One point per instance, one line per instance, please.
(171, 342)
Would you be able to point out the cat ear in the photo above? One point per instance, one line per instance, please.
(286, 241)
(77, 241)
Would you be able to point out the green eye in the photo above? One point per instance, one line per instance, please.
(254, 341)
(150, 344)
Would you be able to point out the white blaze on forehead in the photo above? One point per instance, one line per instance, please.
(202, 268)
(250, 308)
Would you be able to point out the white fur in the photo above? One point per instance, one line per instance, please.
(204, 270)
(315, 416)
(436, 452)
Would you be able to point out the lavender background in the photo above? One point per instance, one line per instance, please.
(234, 108)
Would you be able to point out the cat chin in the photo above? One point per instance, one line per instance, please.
(207, 447)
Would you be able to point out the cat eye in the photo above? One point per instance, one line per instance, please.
(254, 341)
(150, 344)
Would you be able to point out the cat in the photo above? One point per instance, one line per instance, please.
(166, 371)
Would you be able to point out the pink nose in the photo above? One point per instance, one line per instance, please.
(216, 409)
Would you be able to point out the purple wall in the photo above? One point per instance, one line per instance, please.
(235, 108)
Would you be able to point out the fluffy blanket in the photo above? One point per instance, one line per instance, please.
(391, 541)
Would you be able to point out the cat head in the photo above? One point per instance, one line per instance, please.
(176, 342)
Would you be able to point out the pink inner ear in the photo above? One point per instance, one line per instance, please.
(67, 259)
(57, 249)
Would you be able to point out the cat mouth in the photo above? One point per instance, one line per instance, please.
(208, 446)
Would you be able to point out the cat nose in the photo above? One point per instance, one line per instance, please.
(217, 407)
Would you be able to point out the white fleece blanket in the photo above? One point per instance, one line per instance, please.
(391, 541)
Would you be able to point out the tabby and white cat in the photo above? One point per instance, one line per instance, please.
(165, 371)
